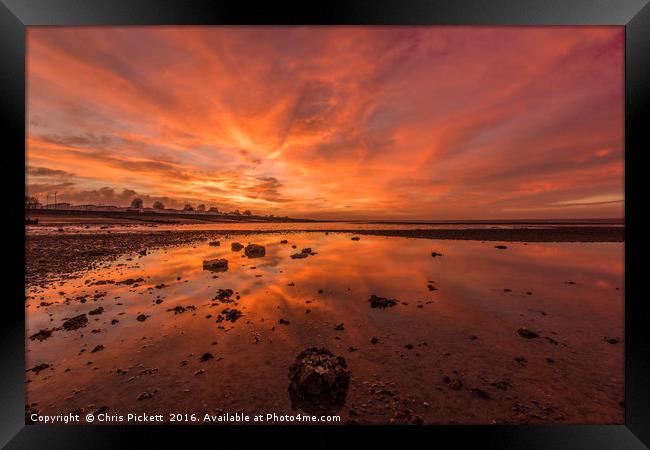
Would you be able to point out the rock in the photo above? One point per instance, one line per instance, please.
(521, 360)
(229, 314)
(431, 287)
(456, 384)
(236, 246)
(374, 340)
(306, 250)
(76, 322)
(143, 252)
(500, 247)
(480, 393)
(41, 335)
(434, 254)
(38, 368)
(339, 327)
(504, 385)
(96, 311)
(224, 295)
(215, 265)
(206, 357)
(214, 244)
(299, 255)
(381, 302)
(254, 251)
(526, 333)
(142, 318)
(355, 238)
(131, 281)
(611, 340)
(97, 348)
(102, 282)
(318, 381)
(284, 241)
(283, 322)
(181, 309)
(145, 395)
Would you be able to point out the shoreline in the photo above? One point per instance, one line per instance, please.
(81, 252)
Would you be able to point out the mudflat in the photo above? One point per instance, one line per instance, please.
(431, 330)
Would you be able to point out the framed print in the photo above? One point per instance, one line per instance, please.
(260, 220)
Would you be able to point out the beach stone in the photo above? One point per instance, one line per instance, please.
(215, 244)
(381, 302)
(96, 311)
(236, 246)
(355, 238)
(206, 357)
(41, 335)
(254, 251)
(215, 265)
(526, 333)
(224, 295)
(76, 322)
(299, 255)
(318, 381)
(229, 314)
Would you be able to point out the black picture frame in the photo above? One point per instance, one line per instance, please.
(16, 15)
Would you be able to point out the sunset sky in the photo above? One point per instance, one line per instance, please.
(331, 122)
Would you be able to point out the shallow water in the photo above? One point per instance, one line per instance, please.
(71, 228)
(463, 331)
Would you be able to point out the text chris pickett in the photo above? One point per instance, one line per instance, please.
(141, 418)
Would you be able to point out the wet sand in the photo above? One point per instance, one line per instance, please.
(455, 348)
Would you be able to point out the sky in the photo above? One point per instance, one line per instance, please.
(403, 123)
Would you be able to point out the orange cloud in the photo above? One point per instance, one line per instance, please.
(331, 122)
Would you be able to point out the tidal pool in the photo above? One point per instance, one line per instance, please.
(449, 351)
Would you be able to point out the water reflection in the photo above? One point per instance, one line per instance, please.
(464, 329)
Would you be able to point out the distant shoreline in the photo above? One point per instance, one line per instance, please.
(56, 217)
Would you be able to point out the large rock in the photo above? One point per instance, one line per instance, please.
(381, 302)
(215, 265)
(254, 251)
(318, 381)
(76, 322)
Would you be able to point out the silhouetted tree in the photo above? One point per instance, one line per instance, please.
(158, 205)
(214, 209)
(248, 212)
(30, 202)
(236, 212)
(137, 203)
(188, 207)
(201, 207)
